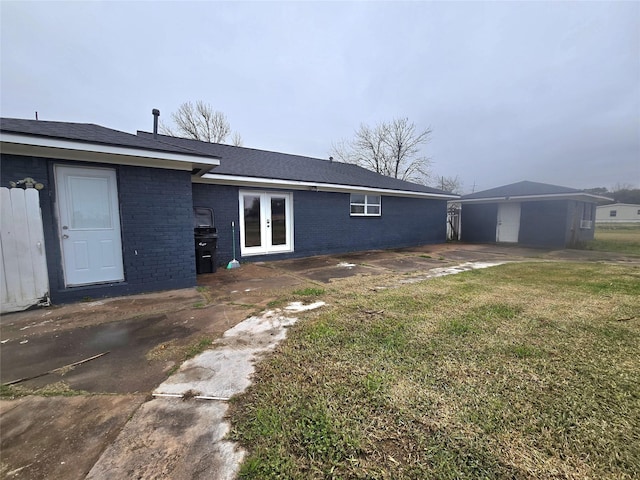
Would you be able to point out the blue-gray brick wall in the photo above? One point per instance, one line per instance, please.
(156, 224)
(224, 202)
(156, 213)
(323, 225)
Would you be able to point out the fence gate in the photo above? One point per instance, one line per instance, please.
(25, 281)
(453, 221)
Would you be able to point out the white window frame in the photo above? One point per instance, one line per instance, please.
(586, 223)
(367, 203)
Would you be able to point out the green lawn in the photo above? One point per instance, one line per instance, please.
(518, 371)
(624, 238)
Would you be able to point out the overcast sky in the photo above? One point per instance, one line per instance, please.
(539, 91)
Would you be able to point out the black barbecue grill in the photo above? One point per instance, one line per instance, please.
(206, 239)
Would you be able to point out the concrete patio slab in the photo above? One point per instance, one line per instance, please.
(226, 369)
(172, 438)
(44, 438)
(183, 430)
(407, 263)
(341, 270)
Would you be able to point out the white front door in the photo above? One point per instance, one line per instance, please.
(89, 222)
(508, 222)
(265, 223)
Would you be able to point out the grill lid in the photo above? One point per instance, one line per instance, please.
(203, 217)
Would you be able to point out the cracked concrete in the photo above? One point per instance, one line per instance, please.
(208, 381)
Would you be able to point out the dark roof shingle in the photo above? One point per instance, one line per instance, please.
(234, 161)
(532, 189)
(88, 133)
(519, 189)
(249, 162)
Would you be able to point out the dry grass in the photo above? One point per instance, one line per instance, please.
(56, 389)
(519, 371)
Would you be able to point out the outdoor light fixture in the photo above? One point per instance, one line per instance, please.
(27, 182)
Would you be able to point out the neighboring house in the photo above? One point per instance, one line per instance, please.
(117, 208)
(531, 214)
(618, 213)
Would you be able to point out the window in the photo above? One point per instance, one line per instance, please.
(365, 205)
(613, 213)
(587, 216)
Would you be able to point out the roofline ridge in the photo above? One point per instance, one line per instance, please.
(241, 147)
(433, 190)
(176, 148)
(33, 120)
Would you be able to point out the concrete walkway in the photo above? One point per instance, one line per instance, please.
(191, 406)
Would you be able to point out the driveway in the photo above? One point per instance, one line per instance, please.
(103, 360)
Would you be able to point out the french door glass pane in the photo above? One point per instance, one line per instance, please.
(278, 221)
(252, 234)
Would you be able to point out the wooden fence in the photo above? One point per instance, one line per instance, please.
(24, 281)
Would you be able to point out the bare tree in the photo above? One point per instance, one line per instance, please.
(199, 122)
(404, 142)
(367, 149)
(391, 149)
(450, 184)
(236, 139)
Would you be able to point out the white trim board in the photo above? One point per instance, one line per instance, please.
(219, 179)
(582, 197)
(17, 144)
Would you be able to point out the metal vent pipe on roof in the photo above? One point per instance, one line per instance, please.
(156, 114)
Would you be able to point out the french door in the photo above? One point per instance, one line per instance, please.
(266, 223)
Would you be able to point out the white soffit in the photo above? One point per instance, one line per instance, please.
(242, 181)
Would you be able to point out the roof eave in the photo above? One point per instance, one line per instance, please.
(632, 205)
(579, 196)
(245, 181)
(48, 147)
